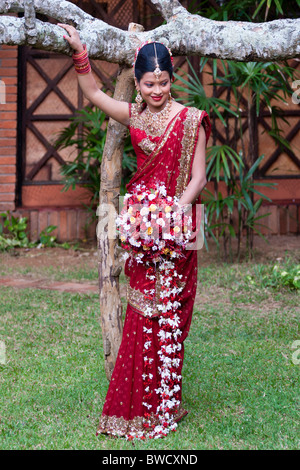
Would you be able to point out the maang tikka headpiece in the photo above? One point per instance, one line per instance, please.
(157, 72)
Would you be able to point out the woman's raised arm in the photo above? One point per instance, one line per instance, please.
(118, 110)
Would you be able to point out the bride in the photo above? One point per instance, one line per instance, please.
(144, 397)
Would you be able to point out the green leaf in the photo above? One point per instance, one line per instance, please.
(278, 6)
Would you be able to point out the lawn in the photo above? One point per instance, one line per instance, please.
(241, 373)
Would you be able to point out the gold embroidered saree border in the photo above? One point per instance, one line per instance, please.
(119, 426)
(138, 300)
(147, 145)
(191, 125)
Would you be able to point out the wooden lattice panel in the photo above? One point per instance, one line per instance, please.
(279, 161)
(52, 97)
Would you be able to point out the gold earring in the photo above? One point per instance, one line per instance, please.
(139, 99)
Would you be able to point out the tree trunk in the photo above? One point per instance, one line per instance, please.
(109, 267)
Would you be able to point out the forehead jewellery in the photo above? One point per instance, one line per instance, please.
(157, 72)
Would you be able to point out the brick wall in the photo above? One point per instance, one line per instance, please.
(8, 127)
(280, 219)
(282, 215)
(73, 223)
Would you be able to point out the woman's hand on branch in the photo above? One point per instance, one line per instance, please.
(118, 110)
(72, 37)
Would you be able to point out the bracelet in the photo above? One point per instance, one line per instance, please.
(81, 61)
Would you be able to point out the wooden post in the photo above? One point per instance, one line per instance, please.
(109, 267)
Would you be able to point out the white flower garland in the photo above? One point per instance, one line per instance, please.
(169, 304)
(168, 335)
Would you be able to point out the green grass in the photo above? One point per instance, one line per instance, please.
(240, 383)
(52, 273)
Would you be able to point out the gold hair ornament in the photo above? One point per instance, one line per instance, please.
(157, 72)
(150, 42)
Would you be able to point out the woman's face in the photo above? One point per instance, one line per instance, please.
(155, 92)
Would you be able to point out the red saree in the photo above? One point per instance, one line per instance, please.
(137, 390)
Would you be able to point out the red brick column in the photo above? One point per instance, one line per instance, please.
(8, 126)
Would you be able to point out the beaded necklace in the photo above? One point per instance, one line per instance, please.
(155, 123)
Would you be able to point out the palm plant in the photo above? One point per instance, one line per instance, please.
(196, 95)
(246, 10)
(255, 86)
(238, 196)
(244, 191)
(233, 165)
(262, 84)
(219, 207)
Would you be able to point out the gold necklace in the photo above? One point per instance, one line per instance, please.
(155, 122)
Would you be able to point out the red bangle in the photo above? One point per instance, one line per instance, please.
(81, 61)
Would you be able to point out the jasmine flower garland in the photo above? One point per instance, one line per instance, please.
(152, 230)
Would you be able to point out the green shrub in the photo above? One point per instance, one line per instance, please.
(276, 276)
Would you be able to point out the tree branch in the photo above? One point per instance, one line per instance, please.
(116, 47)
(232, 40)
(168, 8)
(62, 11)
(29, 20)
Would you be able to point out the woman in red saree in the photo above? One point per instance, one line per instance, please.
(169, 162)
(144, 397)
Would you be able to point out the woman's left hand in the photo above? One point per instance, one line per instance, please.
(73, 37)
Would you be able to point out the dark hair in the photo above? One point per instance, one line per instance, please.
(146, 59)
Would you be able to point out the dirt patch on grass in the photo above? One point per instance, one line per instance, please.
(56, 257)
(265, 251)
(31, 265)
(86, 255)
